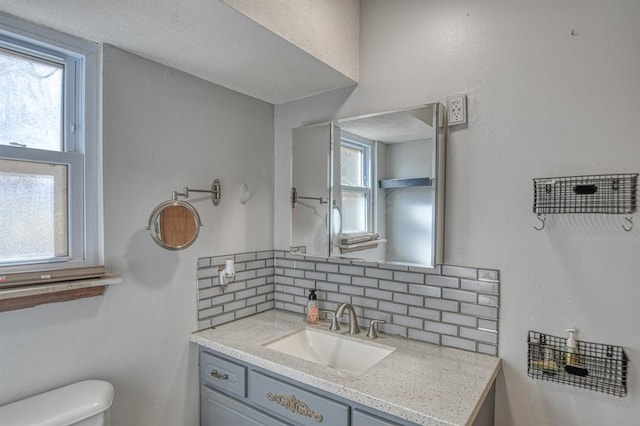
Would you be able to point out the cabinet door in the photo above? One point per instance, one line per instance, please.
(217, 409)
(362, 418)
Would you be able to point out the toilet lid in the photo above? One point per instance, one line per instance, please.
(62, 406)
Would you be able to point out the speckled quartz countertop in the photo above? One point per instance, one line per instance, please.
(420, 382)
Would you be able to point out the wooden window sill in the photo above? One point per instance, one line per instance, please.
(28, 297)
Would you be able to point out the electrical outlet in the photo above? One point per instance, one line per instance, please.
(457, 106)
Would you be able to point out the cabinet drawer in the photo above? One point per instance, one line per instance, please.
(222, 374)
(362, 418)
(218, 409)
(295, 404)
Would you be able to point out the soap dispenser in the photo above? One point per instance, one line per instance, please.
(571, 350)
(312, 307)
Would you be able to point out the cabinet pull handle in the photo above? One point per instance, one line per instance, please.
(219, 376)
(294, 405)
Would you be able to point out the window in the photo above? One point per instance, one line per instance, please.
(49, 183)
(356, 184)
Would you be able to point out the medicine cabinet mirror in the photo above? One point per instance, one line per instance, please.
(371, 187)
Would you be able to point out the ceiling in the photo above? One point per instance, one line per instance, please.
(205, 38)
(392, 127)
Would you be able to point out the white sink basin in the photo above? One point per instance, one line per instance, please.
(331, 350)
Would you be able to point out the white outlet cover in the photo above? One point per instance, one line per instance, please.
(457, 109)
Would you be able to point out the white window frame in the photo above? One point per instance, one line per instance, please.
(82, 150)
(368, 158)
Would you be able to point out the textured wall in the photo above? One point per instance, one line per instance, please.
(542, 102)
(163, 130)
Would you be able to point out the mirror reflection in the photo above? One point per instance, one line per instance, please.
(174, 225)
(384, 175)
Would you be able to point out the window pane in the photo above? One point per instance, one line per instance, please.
(351, 166)
(33, 211)
(354, 212)
(30, 102)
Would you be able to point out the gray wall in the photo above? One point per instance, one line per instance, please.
(163, 130)
(542, 102)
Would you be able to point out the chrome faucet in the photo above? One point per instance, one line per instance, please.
(353, 319)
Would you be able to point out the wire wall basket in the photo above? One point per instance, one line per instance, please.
(595, 366)
(606, 194)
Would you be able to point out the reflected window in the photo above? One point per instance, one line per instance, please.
(356, 184)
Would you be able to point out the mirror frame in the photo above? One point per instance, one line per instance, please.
(155, 232)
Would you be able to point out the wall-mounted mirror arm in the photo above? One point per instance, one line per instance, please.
(215, 191)
(295, 197)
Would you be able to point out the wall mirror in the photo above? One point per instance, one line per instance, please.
(175, 224)
(371, 187)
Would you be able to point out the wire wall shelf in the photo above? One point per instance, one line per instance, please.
(595, 366)
(598, 194)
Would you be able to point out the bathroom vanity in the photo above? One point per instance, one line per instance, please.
(243, 382)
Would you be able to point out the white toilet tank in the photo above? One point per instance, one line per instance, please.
(85, 403)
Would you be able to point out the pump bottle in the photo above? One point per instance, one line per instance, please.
(312, 307)
(571, 350)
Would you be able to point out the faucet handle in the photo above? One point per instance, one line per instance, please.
(334, 320)
(372, 333)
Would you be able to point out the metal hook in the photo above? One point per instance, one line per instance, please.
(630, 220)
(541, 218)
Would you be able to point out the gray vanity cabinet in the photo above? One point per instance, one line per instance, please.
(236, 393)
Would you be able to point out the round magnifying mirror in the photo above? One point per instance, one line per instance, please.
(174, 225)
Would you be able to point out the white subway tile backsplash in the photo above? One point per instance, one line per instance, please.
(393, 307)
(267, 255)
(487, 275)
(487, 325)
(341, 279)
(351, 270)
(460, 295)
(487, 300)
(441, 305)
(424, 336)
(455, 342)
(374, 314)
(479, 335)
(353, 290)
(487, 349)
(408, 277)
(327, 267)
(408, 321)
(267, 306)
(378, 273)
(460, 272)
(408, 299)
(204, 262)
(393, 329)
(465, 320)
(392, 286)
(480, 286)
(316, 276)
(448, 305)
(300, 264)
(440, 281)
(245, 257)
(424, 290)
(365, 302)
(441, 328)
(479, 311)
(378, 294)
(365, 282)
(429, 314)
